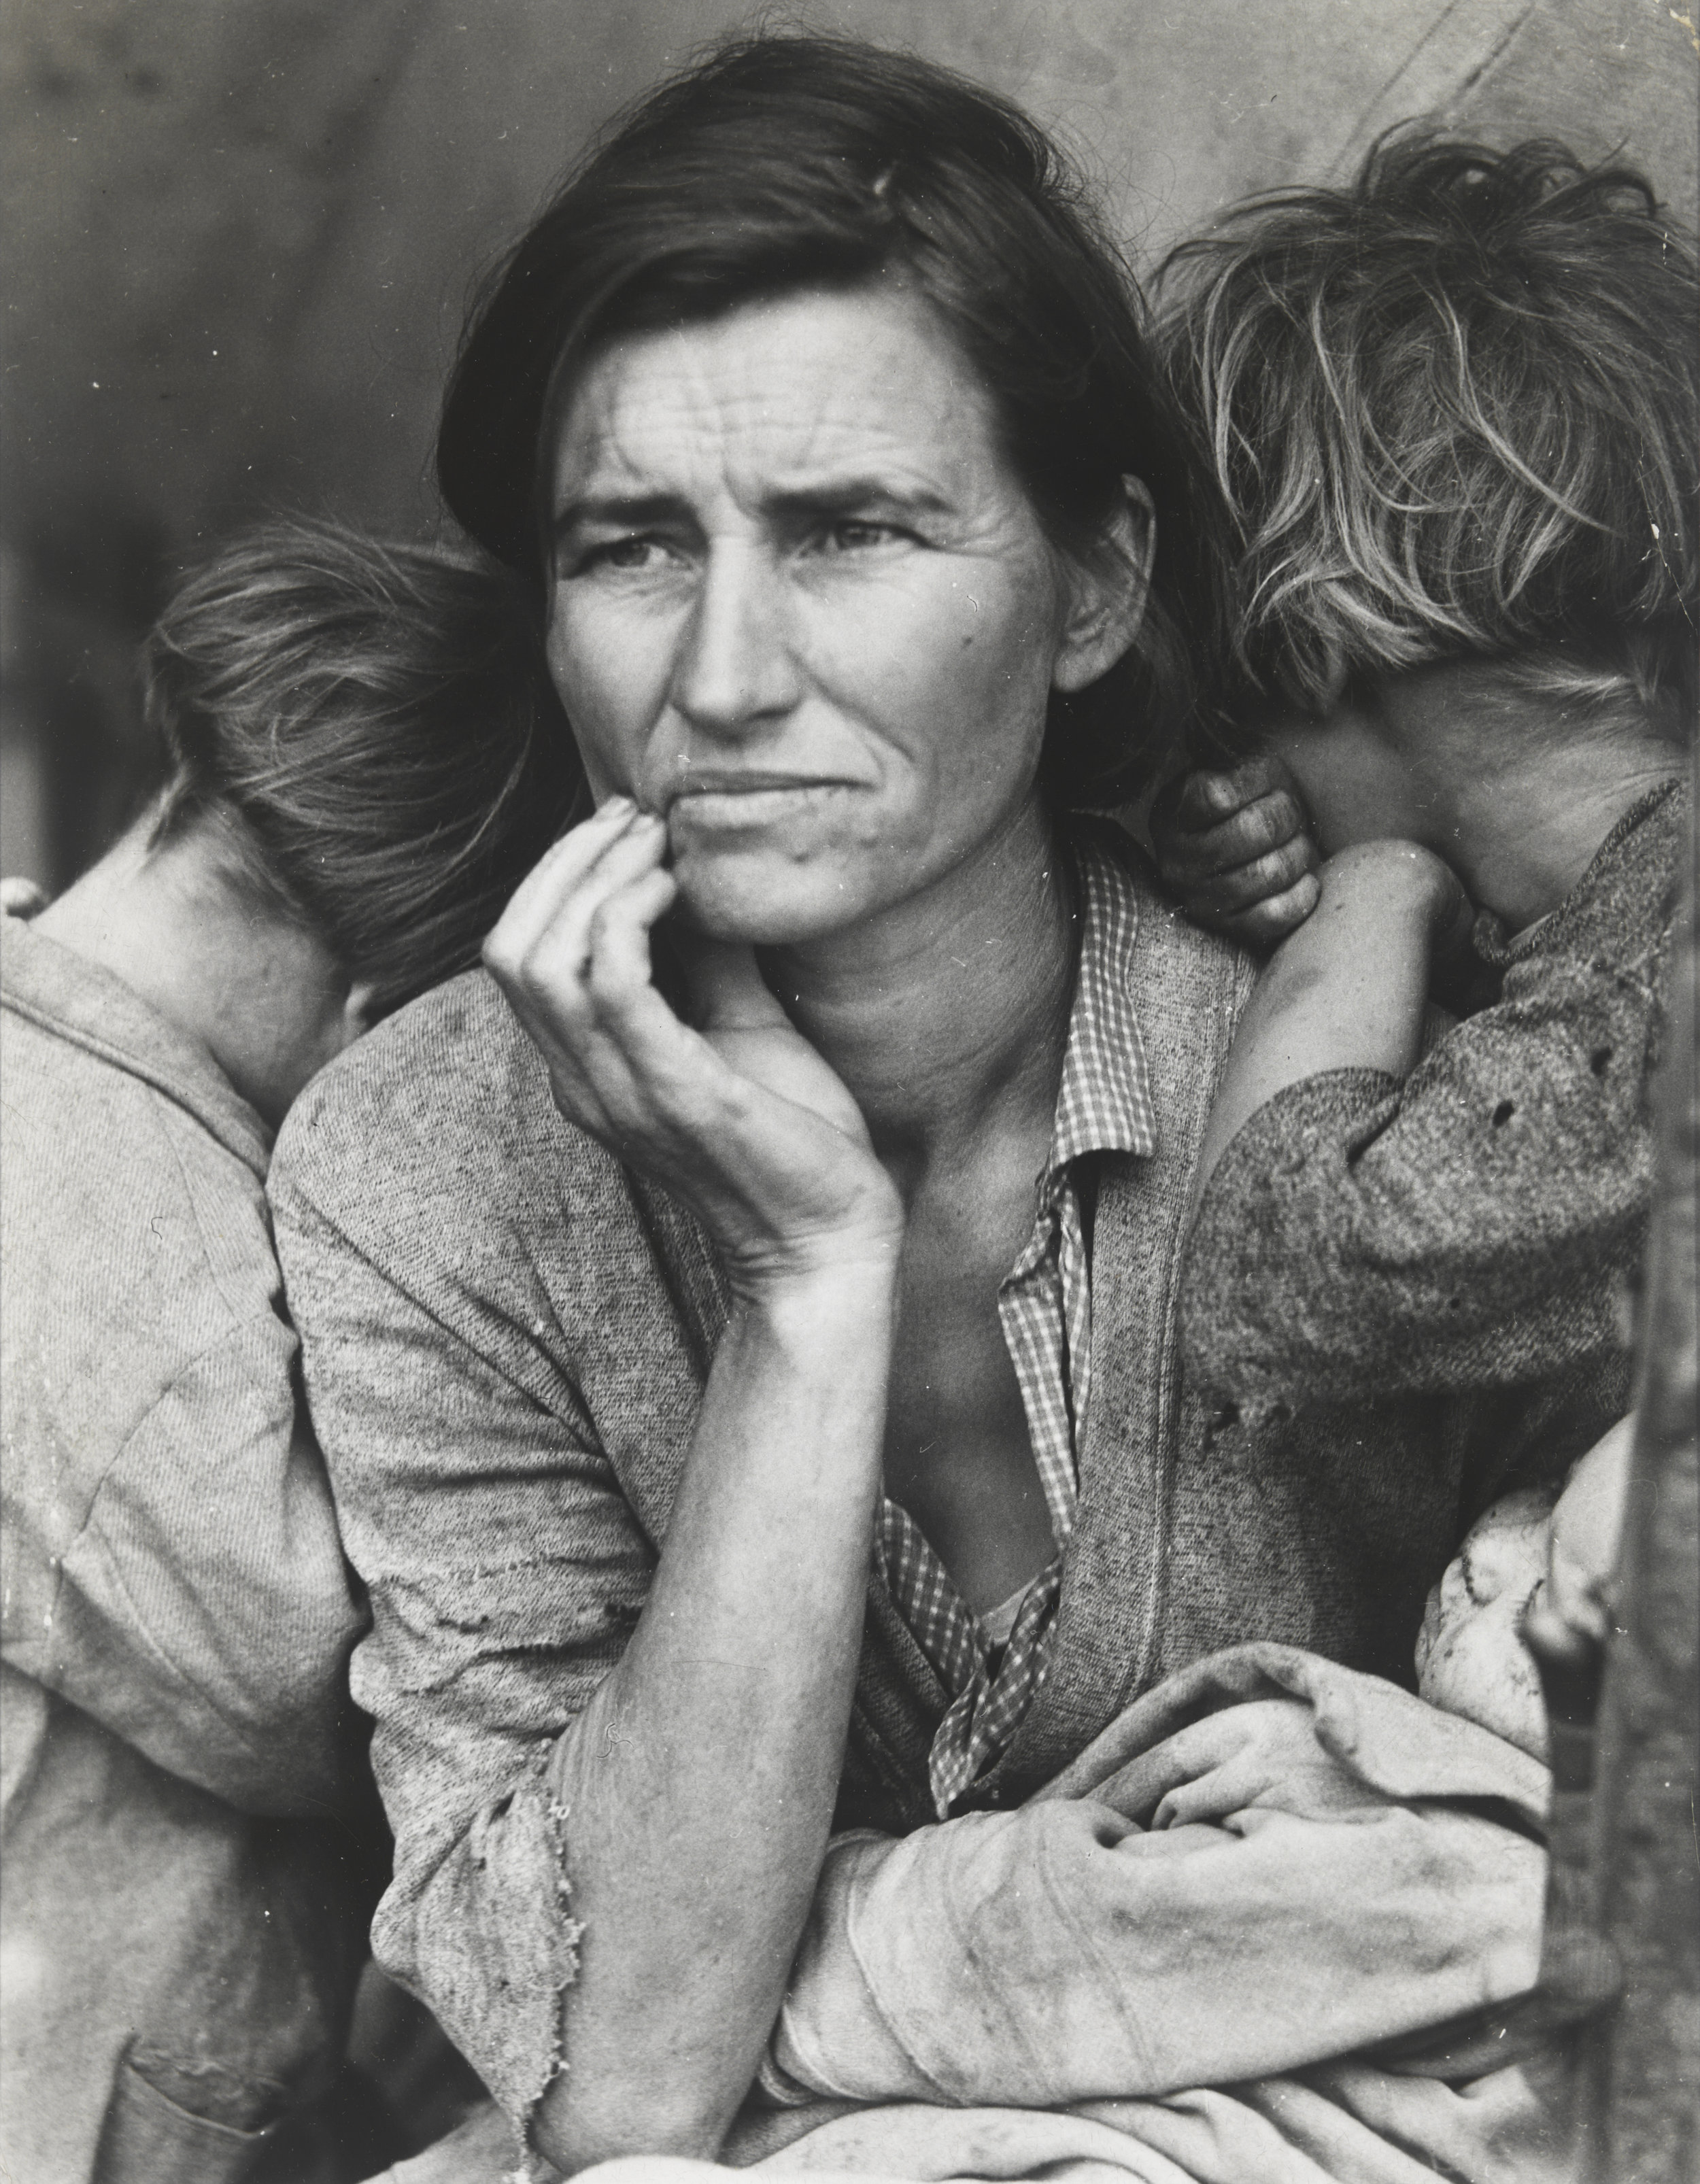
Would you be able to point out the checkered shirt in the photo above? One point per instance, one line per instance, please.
(1044, 1304)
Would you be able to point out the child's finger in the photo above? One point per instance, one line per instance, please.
(1266, 824)
(1208, 1796)
(1208, 796)
(1228, 894)
(1271, 922)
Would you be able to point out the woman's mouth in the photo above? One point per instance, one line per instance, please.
(724, 800)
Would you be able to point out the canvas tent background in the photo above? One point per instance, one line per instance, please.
(242, 233)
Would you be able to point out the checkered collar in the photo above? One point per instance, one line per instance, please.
(1104, 1102)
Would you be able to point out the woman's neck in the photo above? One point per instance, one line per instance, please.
(947, 1016)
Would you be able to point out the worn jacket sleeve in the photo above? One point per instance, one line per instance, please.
(1472, 1229)
(201, 1609)
(505, 1570)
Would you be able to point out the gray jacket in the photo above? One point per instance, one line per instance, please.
(184, 1903)
(506, 1337)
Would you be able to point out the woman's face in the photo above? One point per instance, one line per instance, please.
(802, 607)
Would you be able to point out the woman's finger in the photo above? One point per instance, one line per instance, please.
(551, 969)
(563, 868)
(617, 967)
(728, 981)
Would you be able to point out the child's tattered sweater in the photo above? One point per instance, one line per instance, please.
(1479, 1224)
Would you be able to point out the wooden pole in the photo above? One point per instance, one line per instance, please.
(1637, 2085)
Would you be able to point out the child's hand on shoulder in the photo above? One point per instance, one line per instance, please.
(1237, 849)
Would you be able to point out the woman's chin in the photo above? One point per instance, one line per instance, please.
(761, 902)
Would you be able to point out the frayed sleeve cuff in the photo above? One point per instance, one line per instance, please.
(496, 1947)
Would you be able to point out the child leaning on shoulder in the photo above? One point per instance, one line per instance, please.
(1451, 414)
(364, 758)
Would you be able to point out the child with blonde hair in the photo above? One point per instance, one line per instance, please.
(1451, 414)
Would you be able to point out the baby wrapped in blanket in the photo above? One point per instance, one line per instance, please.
(1267, 1864)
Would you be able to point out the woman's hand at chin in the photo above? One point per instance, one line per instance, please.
(742, 1119)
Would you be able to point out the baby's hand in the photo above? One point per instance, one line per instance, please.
(1236, 848)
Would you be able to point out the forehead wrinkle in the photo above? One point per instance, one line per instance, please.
(684, 413)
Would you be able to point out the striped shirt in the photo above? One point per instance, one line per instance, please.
(1045, 1305)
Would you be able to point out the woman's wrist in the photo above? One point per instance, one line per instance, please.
(846, 1275)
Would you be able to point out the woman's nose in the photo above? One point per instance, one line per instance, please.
(735, 667)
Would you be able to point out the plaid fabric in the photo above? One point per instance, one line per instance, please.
(1044, 1304)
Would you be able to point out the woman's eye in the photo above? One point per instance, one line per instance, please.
(855, 534)
(636, 553)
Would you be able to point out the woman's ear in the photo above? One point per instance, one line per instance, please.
(1108, 589)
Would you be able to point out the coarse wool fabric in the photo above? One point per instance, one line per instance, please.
(1480, 1225)
(506, 1338)
(189, 1839)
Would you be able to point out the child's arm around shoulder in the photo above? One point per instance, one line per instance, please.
(1347, 990)
(1460, 1222)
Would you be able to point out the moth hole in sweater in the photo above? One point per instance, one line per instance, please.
(1600, 1060)
(1503, 1113)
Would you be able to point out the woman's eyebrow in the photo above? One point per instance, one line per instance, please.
(804, 501)
(625, 511)
(847, 496)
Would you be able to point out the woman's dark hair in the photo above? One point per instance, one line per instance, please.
(1452, 410)
(781, 163)
(370, 728)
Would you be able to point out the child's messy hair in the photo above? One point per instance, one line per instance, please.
(1452, 412)
(370, 728)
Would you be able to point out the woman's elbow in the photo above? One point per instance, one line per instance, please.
(579, 2124)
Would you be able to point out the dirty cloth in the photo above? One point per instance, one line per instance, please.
(506, 1338)
(1177, 1909)
(1480, 1224)
(1318, 1981)
(183, 1916)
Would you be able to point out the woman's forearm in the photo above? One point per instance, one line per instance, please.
(700, 1783)
(1348, 990)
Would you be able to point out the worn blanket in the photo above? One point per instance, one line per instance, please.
(1266, 1927)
